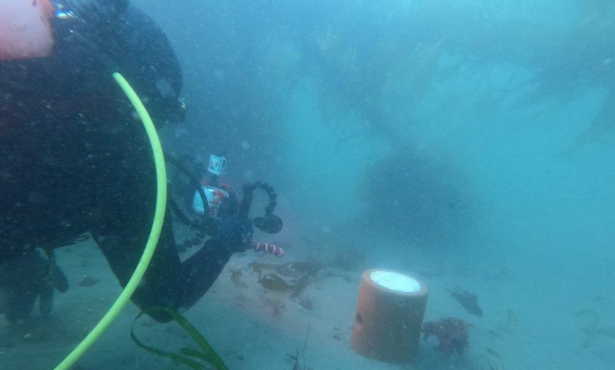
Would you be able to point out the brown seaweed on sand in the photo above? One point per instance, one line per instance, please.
(89, 281)
(300, 286)
(236, 279)
(277, 306)
(290, 269)
(299, 356)
(275, 283)
(469, 301)
(293, 276)
(451, 332)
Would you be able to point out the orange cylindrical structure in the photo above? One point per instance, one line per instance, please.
(24, 29)
(389, 316)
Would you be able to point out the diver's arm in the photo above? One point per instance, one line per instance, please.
(200, 271)
(167, 281)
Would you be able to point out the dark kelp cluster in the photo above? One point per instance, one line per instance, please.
(468, 301)
(452, 334)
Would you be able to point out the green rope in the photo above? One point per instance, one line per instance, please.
(161, 201)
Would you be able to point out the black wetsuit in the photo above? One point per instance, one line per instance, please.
(74, 159)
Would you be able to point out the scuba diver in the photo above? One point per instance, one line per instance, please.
(74, 159)
(208, 202)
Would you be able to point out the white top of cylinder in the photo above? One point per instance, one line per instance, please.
(394, 281)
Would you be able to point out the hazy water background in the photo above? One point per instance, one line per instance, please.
(478, 130)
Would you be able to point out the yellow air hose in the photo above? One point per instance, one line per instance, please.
(161, 201)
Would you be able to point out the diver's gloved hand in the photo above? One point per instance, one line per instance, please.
(24, 279)
(235, 233)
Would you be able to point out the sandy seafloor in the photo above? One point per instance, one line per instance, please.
(533, 318)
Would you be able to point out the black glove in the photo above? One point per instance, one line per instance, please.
(23, 279)
(235, 233)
